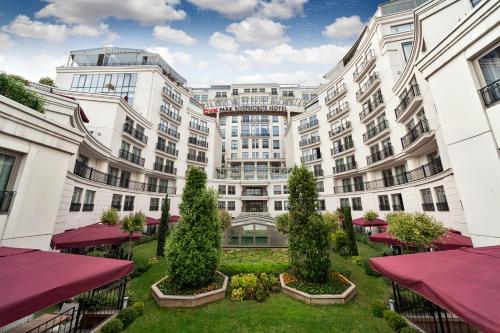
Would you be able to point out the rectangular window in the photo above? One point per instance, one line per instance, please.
(276, 144)
(397, 202)
(278, 205)
(276, 131)
(76, 202)
(441, 200)
(231, 189)
(383, 203)
(285, 205)
(234, 144)
(231, 205)
(222, 189)
(356, 203)
(277, 189)
(128, 204)
(88, 202)
(7, 163)
(222, 205)
(344, 202)
(321, 205)
(427, 202)
(407, 46)
(154, 204)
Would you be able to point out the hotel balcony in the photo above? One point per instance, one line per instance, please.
(309, 142)
(345, 167)
(337, 93)
(442, 206)
(169, 114)
(340, 149)
(409, 104)
(415, 133)
(380, 155)
(428, 207)
(198, 143)
(376, 132)
(255, 134)
(254, 192)
(335, 132)
(368, 87)
(371, 109)
(171, 96)
(309, 125)
(166, 149)
(197, 158)
(173, 134)
(257, 121)
(490, 93)
(198, 127)
(318, 173)
(338, 112)
(310, 158)
(131, 157)
(165, 168)
(261, 174)
(366, 64)
(135, 134)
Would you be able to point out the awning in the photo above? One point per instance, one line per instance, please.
(91, 235)
(31, 280)
(362, 222)
(173, 218)
(152, 221)
(465, 282)
(449, 241)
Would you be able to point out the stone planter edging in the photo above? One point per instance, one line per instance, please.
(343, 298)
(188, 301)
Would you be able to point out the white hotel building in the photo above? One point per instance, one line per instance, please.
(408, 120)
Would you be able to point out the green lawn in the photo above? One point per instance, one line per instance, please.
(279, 313)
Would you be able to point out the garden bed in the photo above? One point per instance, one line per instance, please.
(169, 297)
(338, 290)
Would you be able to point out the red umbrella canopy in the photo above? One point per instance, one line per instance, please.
(362, 222)
(152, 221)
(174, 218)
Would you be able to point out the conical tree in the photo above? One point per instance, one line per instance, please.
(308, 232)
(163, 229)
(349, 230)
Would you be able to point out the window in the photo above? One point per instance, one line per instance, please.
(406, 50)
(231, 189)
(265, 143)
(356, 203)
(7, 163)
(234, 144)
(235, 92)
(128, 204)
(490, 70)
(402, 27)
(234, 131)
(231, 205)
(397, 202)
(276, 131)
(276, 144)
(88, 202)
(285, 205)
(320, 186)
(344, 202)
(255, 143)
(154, 204)
(222, 205)
(321, 204)
(275, 119)
(244, 143)
(427, 203)
(277, 189)
(383, 203)
(222, 189)
(278, 205)
(274, 91)
(76, 200)
(119, 84)
(285, 189)
(116, 202)
(441, 201)
(359, 185)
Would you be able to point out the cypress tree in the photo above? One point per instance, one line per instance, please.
(349, 230)
(163, 229)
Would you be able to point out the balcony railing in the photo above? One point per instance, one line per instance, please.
(311, 124)
(341, 148)
(310, 141)
(139, 135)
(254, 193)
(428, 207)
(406, 100)
(170, 114)
(198, 127)
(339, 110)
(200, 143)
(167, 149)
(345, 167)
(268, 173)
(490, 93)
(261, 134)
(75, 207)
(339, 129)
(380, 155)
(318, 173)
(384, 207)
(88, 207)
(128, 207)
(442, 206)
(168, 131)
(86, 172)
(371, 106)
(367, 85)
(165, 168)
(131, 157)
(309, 158)
(364, 64)
(425, 171)
(172, 96)
(6, 198)
(197, 158)
(372, 132)
(334, 94)
(415, 133)
(250, 120)
(398, 208)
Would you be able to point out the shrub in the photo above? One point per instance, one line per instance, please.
(245, 282)
(362, 238)
(371, 215)
(332, 219)
(356, 260)
(378, 308)
(96, 253)
(138, 307)
(270, 282)
(283, 223)
(418, 229)
(349, 230)
(345, 251)
(409, 329)
(368, 270)
(47, 81)
(251, 286)
(112, 326)
(163, 228)
(127, 316)
(338, 239)
(14, 87)
(237, 294)
(110, 216)
(394, 320)
(225, 219)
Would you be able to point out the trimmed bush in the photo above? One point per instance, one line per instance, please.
(131, 223)
(394, 320)
(110, 216)
(96, 253)
(225, 219)
(251, 286)
(283, 223)
(112, 326)
(409, 329)
(138, 307)
(338, 239)
(418, 229)
(371, 215)
(127, 316)
(14, 87)
(378, 308)
(356, 260)
(349, 230)
(362, 238)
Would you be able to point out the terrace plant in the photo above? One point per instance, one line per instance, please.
(309, 242)
(14, 87)
(110, 216)
(371, 215)
(417, 229)
(130, 224)
(194, 246)
(163, 228)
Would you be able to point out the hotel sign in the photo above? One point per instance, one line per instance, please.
(245, 108)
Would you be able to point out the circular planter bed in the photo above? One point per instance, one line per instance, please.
(342, 297)
(196, 298)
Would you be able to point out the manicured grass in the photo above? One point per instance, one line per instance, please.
(279, 313)
(272, 261)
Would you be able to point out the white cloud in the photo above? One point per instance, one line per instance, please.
(236, 62)
(202, 64)
(229, 8)
(168, 34)
(171, 57)
(302, 77)
(24, 27)
(33, 67)
(223, 42)
(89, 31)
(344, 27)
(258, 31)
(283, 9)
(4, 40)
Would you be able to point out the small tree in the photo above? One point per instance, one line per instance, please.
(418, 229)
(309, 242)
(371, 215)
(196, 180)
(349, 230)
(130, 224)
(163, 229)
(282, 222)
(110, 216)
(225, 219)
(332, 219)
(47, 81)
(14, 87)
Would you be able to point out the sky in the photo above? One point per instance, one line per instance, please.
(206, 41)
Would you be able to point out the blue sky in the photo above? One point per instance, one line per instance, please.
(206, 41)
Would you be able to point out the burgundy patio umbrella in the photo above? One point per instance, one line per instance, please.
(362, 222)
(174, 218)
(152, 221)
(449, 241)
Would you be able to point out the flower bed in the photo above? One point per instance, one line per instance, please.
(167, 296)
(338, 290)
